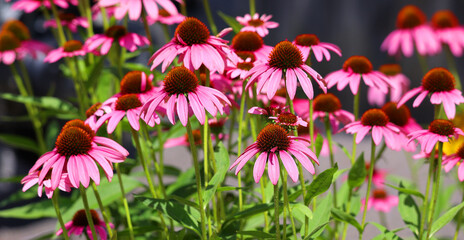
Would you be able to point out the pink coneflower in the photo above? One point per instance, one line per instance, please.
(329, 104)
(400, 84)
(184, 140)
(69, 20)
(308, 43)
(136, 88)
(76, 151)
(127, 40)
(134, 7)
(29, 6)
(449, 161)
(439, 131)
(288, 120)
(194, 46)
(401, 117)
(257, 24)
(93, 114)
(412, 29)
(285, 62)
(16, 43)
(448, 31)
(79, 223)
(251, 42)
(167, 18)
(273, 140)
(128, 105)
(71, 48)
(267, 112)
(355, 68)
(381, 201)
(182, 92)
(377, 122)
(239, 68)
(439, 82)
(33, 178)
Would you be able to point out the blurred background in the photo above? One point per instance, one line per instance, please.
(358, 27)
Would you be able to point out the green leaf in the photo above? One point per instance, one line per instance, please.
(385, 233)
(357, 174)
(188, 216)
(301, 211)
(345, 217)
(230, 21)
(47, 102)
(19, 196)
(407, 191)
(139, 231)
(322, 214)
(20, 142)
(222, 163)
(319, 143)
(409, 211)
(445, 218)
(256, 234)
(315, 231)
(320, 184)
(31, 211)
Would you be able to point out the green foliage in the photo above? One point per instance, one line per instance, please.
(20, 142)
(320, 184)
(230, 21)
(409, 210)
(358, 172)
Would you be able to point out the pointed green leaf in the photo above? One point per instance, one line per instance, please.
(407, 191)
(358, 172)
(20, 142)
(230, 21)
(345, 217)
(409, 211)
(256, 234)
(319, 143)
(322, 217)
(317, 229)
(188, 216)
(343, 148)
(385, 233)
(445, 218)
(43, 102)
(320, 184)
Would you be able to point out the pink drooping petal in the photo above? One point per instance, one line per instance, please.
(273, 168)
(260, 165)
(290, 165)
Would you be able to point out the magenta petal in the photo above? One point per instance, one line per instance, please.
(73, 172)
(182, 109)
(260, 165)
(273, 168)
(57, 171)
(290, 165)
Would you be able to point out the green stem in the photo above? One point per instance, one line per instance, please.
(27, 79)
(458, 222)
(31, 110)
(369, 184)
(276, 212)
(452, 66)
(88, 15)
(252, 7)
(183, 8)
(81, 84)
(239, 144)
(147, 27)
(284, 175)
(61, 37)
(233, 118)
(209, 16)
(435, 189)
(328, 131)
(102, 209)
(263, 200)
(160, 149)
(426, 197)
(383, 219)
(348, 209)
(193, 149)
(423, 63)
(381, 151)
(167, 36)
(124, 201)
(135, 136)
(58, 214)
(87, 211)
(356, 117)
(104, 15)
